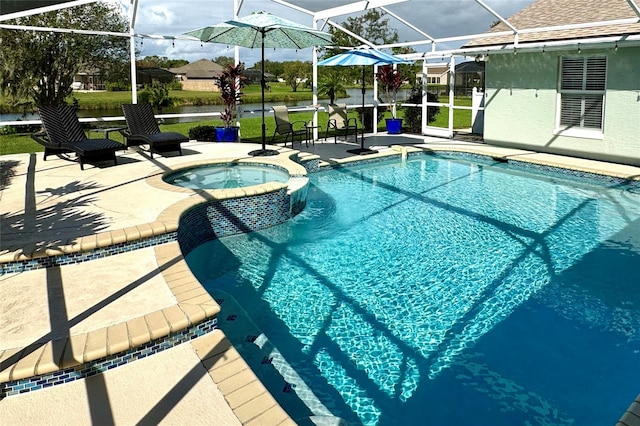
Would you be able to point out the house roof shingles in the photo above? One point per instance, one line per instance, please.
(202, 68)
(550, 13)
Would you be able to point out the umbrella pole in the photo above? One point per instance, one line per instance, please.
(364, 90)
(362, 150)
(262, 84)
(264, 151)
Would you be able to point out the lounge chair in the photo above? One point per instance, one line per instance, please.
(142, 129)
(286, 128)
(340, 122)
(63, 134)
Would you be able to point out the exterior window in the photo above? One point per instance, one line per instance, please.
(582, 92)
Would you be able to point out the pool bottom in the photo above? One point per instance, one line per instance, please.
(269, 365)
(391, 292)
(525, 371)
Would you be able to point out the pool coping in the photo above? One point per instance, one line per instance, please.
(193, 305)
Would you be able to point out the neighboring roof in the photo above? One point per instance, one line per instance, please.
(550, 13)
(155, 72)
(202, 68)
(256, 74)
(470, 66)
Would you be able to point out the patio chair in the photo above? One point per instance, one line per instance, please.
(286, 128)
(341, 122)
(142, 129)
(63, 134)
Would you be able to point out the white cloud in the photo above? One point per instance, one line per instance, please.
(438, 18)
(158, 15)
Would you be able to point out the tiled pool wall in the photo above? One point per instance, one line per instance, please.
(311, 166)
(84, 256)
(107, 363)
(221, 218)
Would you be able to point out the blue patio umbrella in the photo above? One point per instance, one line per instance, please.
(363, 57)
(262, 29)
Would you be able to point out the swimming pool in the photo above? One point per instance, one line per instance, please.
(443, 291)
(226, 175)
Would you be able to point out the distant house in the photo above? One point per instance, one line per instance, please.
(198, 75)
(573, 91)
(436, 75)
(254, 75)
(467, 76)
(88, 79)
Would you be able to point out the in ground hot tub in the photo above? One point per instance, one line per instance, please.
(226, 175)
(236, 197)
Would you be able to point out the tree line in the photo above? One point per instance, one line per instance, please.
(37, 68)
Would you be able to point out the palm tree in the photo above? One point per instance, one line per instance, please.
(331, 85)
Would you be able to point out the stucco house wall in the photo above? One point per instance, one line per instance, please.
(200, 85)
(522, 103)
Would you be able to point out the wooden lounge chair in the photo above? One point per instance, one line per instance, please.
(142, 129)
(341, 122)
(286, 128)
(63, 134)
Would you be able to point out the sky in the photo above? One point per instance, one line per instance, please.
(438, 18)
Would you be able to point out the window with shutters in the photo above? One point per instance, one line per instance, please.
(582, 93)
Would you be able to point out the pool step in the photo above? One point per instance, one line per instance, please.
(246, 395)
(631, 417)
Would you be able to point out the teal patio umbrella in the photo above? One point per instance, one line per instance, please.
(262, 29)
(362, 56)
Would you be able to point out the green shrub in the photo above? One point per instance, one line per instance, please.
(7, 130)
(19, 129)
(203, 133)
(157, 95)
(117, 86)
(174, 85)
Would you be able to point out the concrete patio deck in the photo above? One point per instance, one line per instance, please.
(60, 317)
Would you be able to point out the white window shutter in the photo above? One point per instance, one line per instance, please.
(582, 87)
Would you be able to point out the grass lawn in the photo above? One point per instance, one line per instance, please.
(250, 126)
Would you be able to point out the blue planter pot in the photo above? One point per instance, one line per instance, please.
(394, 125)
(227, 134)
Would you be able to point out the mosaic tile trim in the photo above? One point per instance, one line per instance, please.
(577, 173)
(107, 363)
(311, 166)
(392, 157)
(85, 256)
(221, 218)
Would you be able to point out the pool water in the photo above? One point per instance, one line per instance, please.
(444, 291)
(224, 176)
